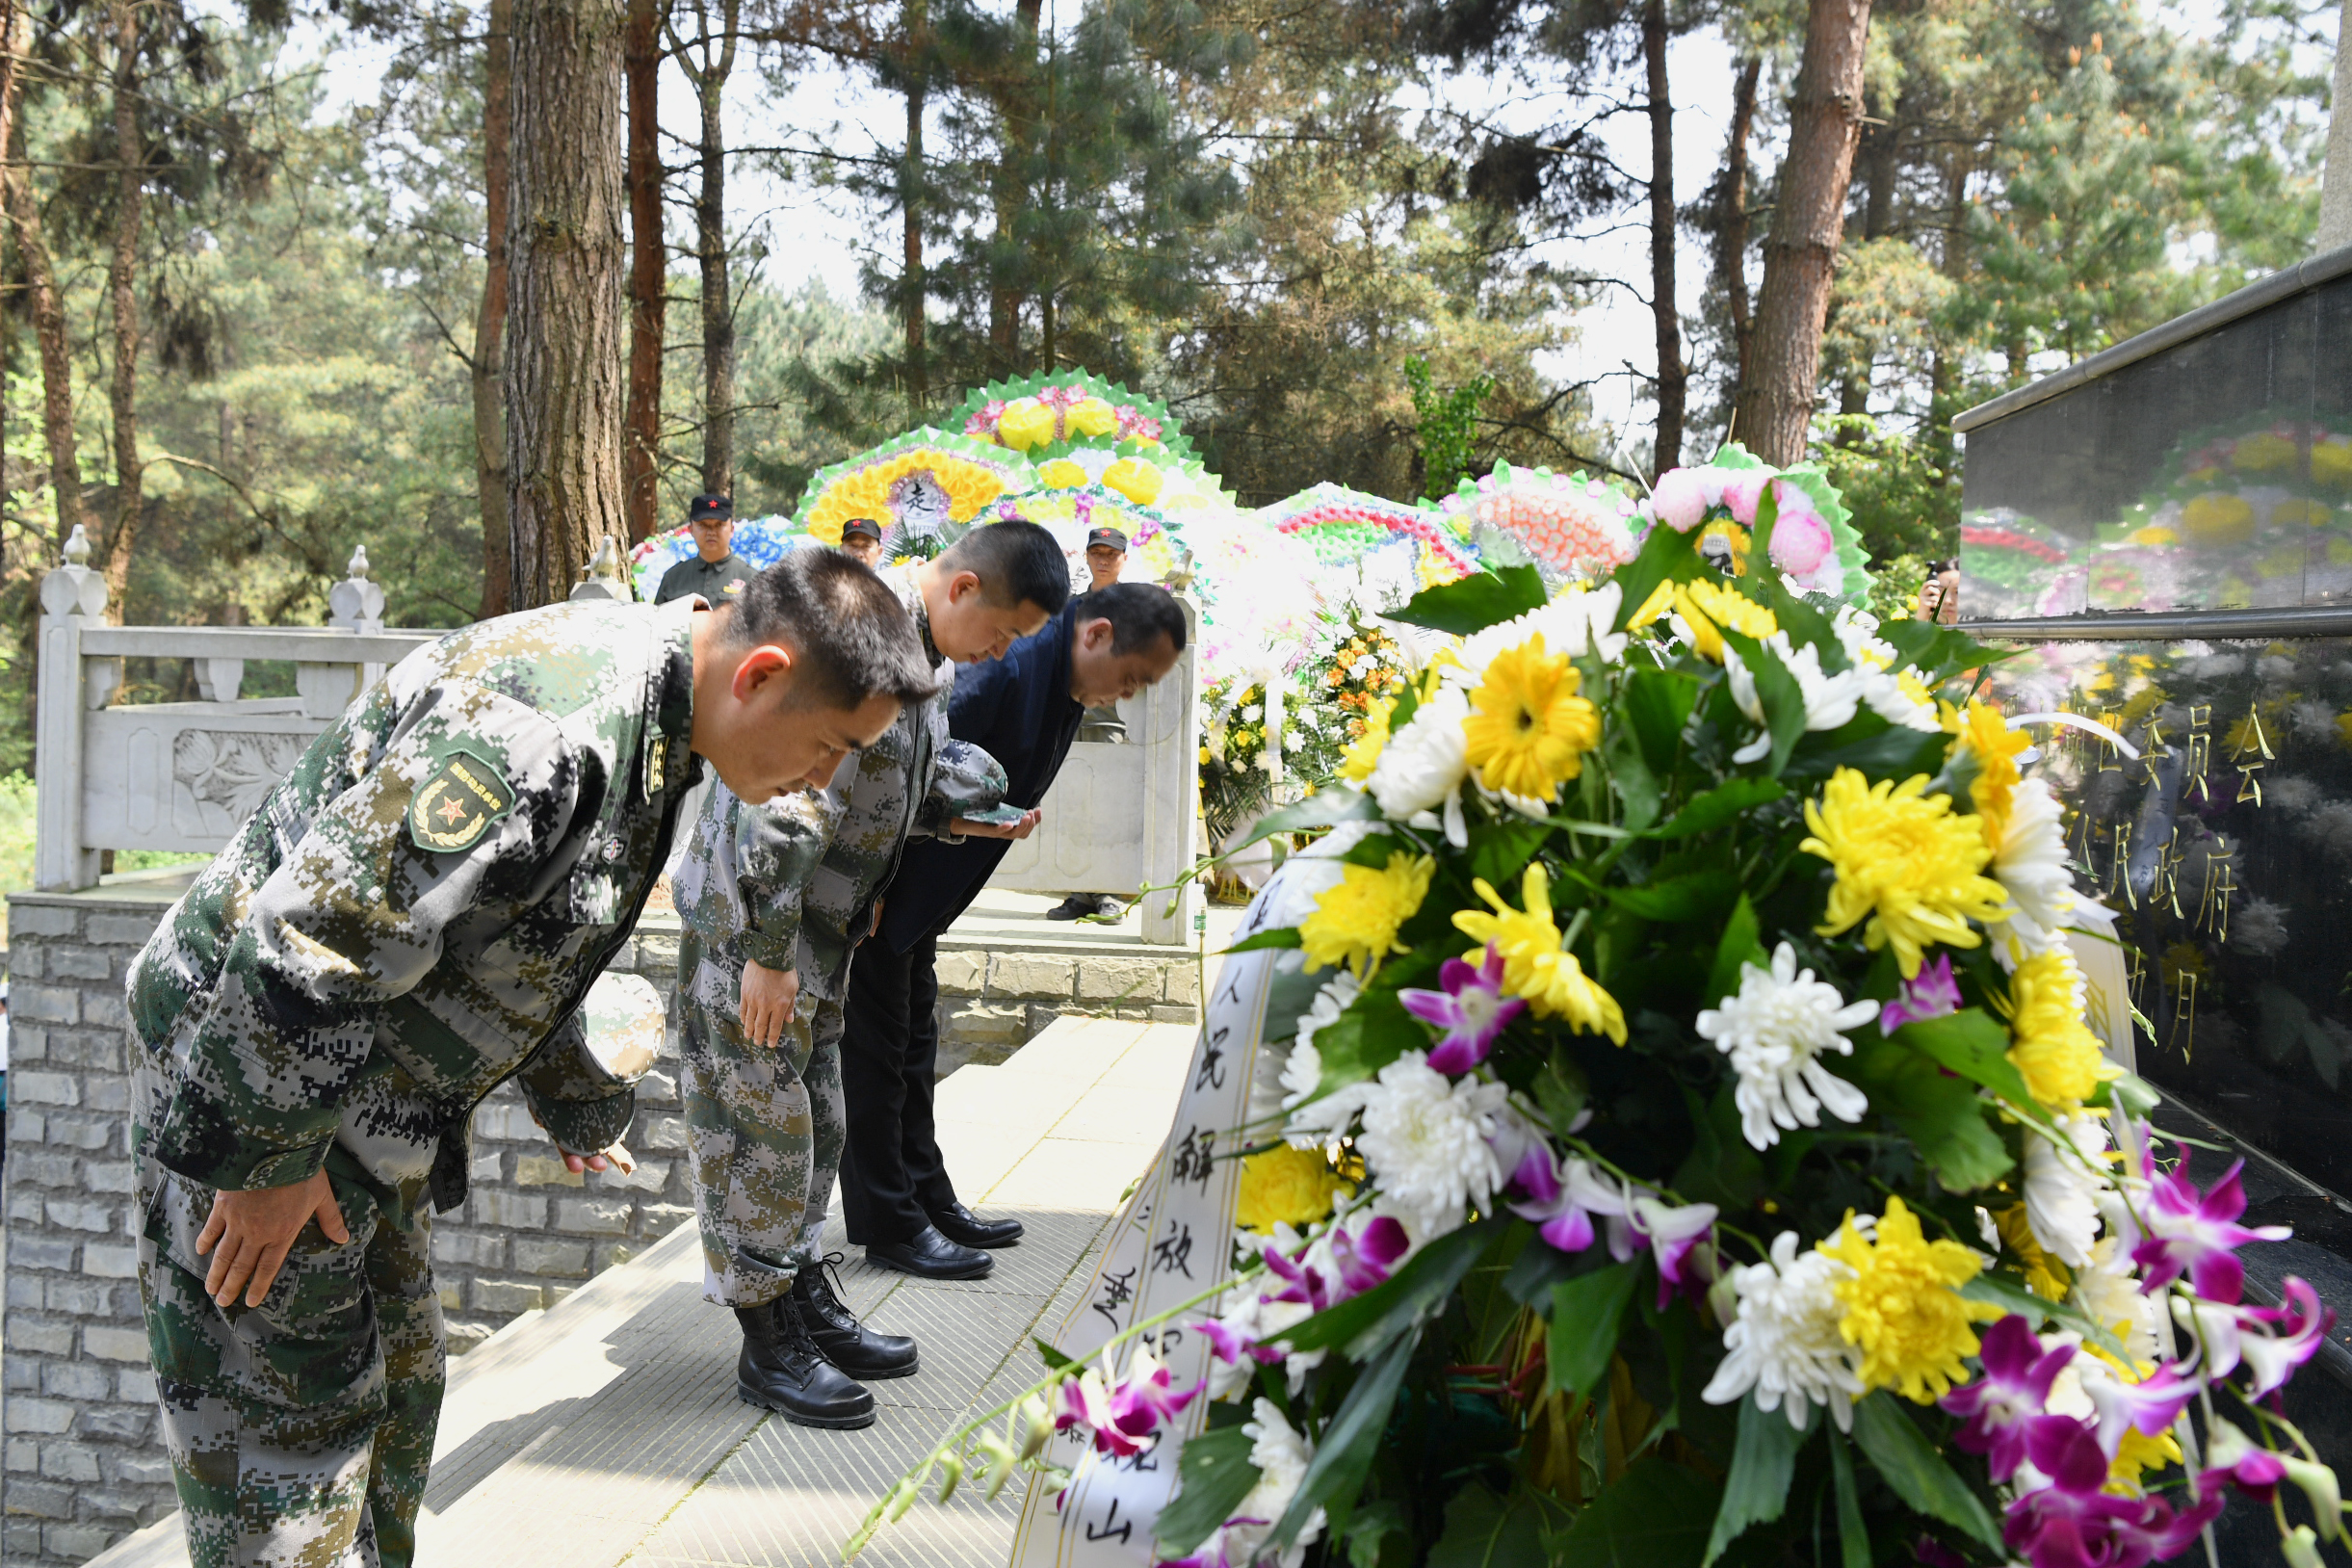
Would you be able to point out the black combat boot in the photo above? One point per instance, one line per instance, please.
(839, 1337)
(781, 1370)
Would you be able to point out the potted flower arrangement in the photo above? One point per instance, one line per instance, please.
(1661, 1128)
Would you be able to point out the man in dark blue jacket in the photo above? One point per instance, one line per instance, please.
(1022, 710)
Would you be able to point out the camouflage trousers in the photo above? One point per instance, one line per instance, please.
(765, 1126)
(299, 1430)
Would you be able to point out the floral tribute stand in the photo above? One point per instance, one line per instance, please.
(1654, 1121)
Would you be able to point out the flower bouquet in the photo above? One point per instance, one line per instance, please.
(1658, 1124)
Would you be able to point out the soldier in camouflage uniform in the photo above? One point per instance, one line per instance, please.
(774, 899)
(414, 915)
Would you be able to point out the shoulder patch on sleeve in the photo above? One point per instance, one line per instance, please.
(457, 804)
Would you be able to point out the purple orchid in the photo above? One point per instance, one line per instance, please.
(1367, 1260)
(1562, 1198)
(1230, 1345)
(2074, 1522)
(2002, 1408)
(1934, 1553)
(2271, 1342)
(1682, 1238)
(1125, 1416)
(2149, 1406)
(1471, 1011)
(2198, 1233)
(2232, 1456)
(1931, 993)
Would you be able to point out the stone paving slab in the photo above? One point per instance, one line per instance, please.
(608, 1428)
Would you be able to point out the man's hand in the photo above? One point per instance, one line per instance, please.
(248, 1235)
(967, 829)
(613, 1157)
(765, 1003)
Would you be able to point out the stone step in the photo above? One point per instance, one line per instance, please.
(607, 1426)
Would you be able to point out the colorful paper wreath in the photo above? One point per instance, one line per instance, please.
(1031, 413)
(1813, 540)
(1341, 525)
(1575, 525)
(917, 483)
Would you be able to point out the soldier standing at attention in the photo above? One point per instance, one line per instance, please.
(714, 570)
(774, 899)
(414, 915)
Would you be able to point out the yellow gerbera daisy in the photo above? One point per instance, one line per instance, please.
(1705, 607)
(2051, 1049)
(1528, 729)
(1901, 1309)
(1354, 924)
(1363, 753)
(1905, 862)
(1534, 965)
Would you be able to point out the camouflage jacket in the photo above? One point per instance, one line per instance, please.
(791, 884)
(417, 910)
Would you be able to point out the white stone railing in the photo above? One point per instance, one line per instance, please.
(179, 775)
(1121, 816)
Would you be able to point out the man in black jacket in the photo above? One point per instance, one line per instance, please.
(1022, 710)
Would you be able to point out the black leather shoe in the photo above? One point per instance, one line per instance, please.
(1074, 906)
(960, 1224)
(930, 1256)
(840, 1338)
(780, 1370)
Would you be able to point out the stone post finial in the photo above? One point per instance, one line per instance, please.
(357, 568)
(77, 548)
(356, 602)
(606, 576)
(75, 588)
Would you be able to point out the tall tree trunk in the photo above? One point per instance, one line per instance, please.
(48, 313)
(122, 394)
(490, 320)
(1942, 380)
(649, 268)
(1877, 159)
(709, 76)
(1732, 234)
(911, 278)
(1672, 377)
(564, 255)
(1008, 189)
(1801, 253)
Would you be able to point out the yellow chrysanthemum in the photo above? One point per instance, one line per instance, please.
(2045, 1275)
(2138, 1453)
(1527, 729)
(1905, 862)
(1135, 479)
(1706, 606)
(1284, 1186)
(1992, 747)
(1354, 924)
(1062, 474)
(1363, 753)
(1534, 965)
(2057, 1055)
(1659, 602)
(1901, 1310)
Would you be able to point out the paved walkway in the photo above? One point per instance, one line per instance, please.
(607, 1429)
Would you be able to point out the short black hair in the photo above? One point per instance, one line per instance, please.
(1140, 614)
(1016, 561)
(851, 639)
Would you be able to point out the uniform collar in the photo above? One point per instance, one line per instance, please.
(911, 594)
(673, 693)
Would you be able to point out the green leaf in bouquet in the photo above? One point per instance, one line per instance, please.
(1474, 603)
(1373, 1032)
(1216, 1476)
(1679, 899)
(1738, 948)
(1370, 1533)
(1720, 807)
(1939, 1113)
(2008, 1292)
(1776, 689)
(1483, 1531)
(2134, 1093)
(1327, 808)
(1366, 1324)
(1055, 1359)
(1757, 1490)
(1657, 1515)
(1870, 746)
(1499, 850)
(1279, 936)
(1344, 1453)
(1903, 1457)
(1562, 1091)
(1853, 1536)
(1938, 652)
(1657, 704)
(1629, 773)
(1587, 1313)
(1804, 624)
(1720, 1168)
(1974, 1044)
(1666, 556)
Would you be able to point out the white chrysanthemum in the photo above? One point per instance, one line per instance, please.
(1302, 1069)
(2029, 863)
(1281, 1456)
(1424, 1139)
(1783, 1343)
(1423, 764)
(2109, 1292)
(2258, 929)
(1830, 700)
(1774, 1031)
(1575, 623)
(2062, 1188)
